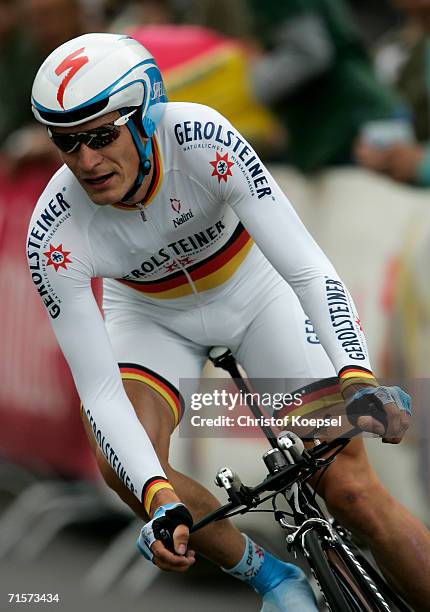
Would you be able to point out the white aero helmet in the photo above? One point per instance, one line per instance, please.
(95, 74)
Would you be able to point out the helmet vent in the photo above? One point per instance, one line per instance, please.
(77, 114)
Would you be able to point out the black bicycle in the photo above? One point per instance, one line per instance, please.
(347, 580)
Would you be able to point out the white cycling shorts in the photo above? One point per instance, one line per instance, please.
(264, 326)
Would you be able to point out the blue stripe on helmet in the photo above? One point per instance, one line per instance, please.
(106, 92)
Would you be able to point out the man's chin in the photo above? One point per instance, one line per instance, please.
(102, 201)
(101, 198)
(102, 193)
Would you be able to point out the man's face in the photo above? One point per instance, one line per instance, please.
(108, 173)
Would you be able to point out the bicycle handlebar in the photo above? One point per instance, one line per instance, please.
(366, 406)
(221, 357)
(277, 482)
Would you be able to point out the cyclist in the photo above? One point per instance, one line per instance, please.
(198, 246)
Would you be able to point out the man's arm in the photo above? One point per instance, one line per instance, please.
(277, 230)
(283, 239)
(61, 272)
(83, 339)
(239, 179)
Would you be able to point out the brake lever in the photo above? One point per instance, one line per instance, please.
(166, 539)
(237, 492)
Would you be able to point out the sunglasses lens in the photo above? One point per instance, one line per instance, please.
(65, 142)
(94, 139)
(101, 137)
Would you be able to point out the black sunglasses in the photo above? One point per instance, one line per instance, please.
(96, 138)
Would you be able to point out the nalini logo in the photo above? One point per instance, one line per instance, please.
(221, 167)
(57, 257)
(72, 63)
(186, 216)
(176, 204)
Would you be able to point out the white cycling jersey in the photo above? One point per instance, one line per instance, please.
(212, 220)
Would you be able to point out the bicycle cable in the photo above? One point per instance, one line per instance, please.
(246, 509)
(329, 460)
(276, 509)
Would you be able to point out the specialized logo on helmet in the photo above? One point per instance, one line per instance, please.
(158, 90)
(57, 257)
(221, 167)
(72, 63)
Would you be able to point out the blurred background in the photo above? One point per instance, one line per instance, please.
(334, 95)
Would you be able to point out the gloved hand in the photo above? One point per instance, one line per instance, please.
(164, 539)
(395, 407)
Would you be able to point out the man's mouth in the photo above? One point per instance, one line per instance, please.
(99, 180)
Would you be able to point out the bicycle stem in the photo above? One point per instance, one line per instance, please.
(228, 363)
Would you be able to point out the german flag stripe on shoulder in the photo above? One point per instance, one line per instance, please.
(151, 487)
(132, 371)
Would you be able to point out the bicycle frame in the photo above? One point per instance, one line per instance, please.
(291, 481)
(279, 481)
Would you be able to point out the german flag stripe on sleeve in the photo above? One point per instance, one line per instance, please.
(132, 371)
(351, 375)
(151, 487)
(354, 372)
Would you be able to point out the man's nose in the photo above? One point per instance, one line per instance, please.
(88, 159)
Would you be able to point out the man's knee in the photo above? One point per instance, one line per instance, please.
(359, 509)
(346, 497)
(353, 492)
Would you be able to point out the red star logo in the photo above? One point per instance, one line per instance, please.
(358, 322)
(186, 261)
(171, 267)
(57, 257)
(221, 167)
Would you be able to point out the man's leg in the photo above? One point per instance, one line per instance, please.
(157, 348)
(399, 542)
(280, 342)
(222, 543)
(283, 586)
(139, 339)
